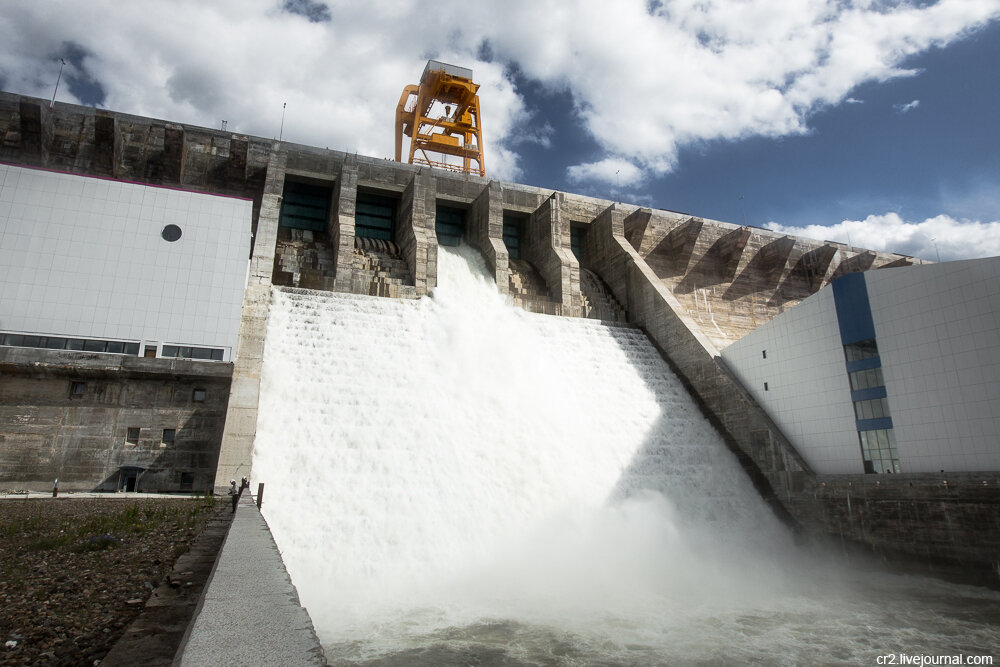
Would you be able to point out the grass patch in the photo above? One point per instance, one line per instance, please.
(106, 531)
(51, 542)
(97, 543)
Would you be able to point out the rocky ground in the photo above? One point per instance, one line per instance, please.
(75, 572)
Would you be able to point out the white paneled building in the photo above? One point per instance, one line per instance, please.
(895, 370)
(108, 266)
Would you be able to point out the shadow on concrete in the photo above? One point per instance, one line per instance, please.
(185, 465)
(671, 255)
(763, 272)
(805, 278)
(718, 265)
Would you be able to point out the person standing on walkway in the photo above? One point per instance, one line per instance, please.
(55, 488)
(234, 493)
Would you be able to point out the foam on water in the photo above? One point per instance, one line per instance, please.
(453, 474)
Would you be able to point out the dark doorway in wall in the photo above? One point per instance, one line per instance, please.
(128, 478)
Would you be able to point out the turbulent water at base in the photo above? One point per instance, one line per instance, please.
(453, 481)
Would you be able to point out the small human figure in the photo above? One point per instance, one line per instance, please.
(244, 484)
(55, 488)
(234, 493)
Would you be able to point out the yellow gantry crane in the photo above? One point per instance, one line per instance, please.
(441, 116)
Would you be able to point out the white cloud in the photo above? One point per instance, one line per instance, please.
(526, 133)
(644, 82)
(909, 106)
(612, 170)
(942, 236)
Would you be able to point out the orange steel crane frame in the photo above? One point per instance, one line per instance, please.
(457, 131)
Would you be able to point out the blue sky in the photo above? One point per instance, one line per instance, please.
(869, 121)
(872, 154)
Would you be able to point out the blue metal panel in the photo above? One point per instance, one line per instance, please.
(874, 424)
(854, 312)
(868, 394)
(862, 364)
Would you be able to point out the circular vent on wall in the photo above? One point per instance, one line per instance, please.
(171, 233)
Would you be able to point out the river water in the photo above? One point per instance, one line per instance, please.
(453, 481)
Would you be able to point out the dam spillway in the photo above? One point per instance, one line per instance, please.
(451, 472)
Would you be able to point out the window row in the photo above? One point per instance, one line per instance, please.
(188, 352)
(875, 408)
(866, 379)
(61, 343)
(132, 435)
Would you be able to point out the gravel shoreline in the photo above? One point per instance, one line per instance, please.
(75, 572)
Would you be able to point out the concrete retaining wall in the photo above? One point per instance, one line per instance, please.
(48, 431)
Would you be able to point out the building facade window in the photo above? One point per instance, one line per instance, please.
(189, 352)
(875, 408)
(864, 370)
(76, 344)
(132, 435)
(878, 448)
(168, 436)
(198, 395)
(865, 349)
(77, 388)
(868, 378)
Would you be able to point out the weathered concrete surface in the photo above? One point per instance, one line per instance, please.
(547, 246)
(944, 524)
(241, 419)
(48, 432)
(729, 279)
(155, 636)
(415, 230)
(250, 613)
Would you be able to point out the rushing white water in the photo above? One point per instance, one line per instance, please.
(452, 477)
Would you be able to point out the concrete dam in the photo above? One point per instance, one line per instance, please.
(493, 416)
(457, 480)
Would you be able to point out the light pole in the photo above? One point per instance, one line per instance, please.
(618, 184)
(936, 252)
(281, 132)
(58, 79)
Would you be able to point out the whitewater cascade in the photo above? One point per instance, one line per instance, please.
(452, 471)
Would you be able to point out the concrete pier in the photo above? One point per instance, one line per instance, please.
(250, 612)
